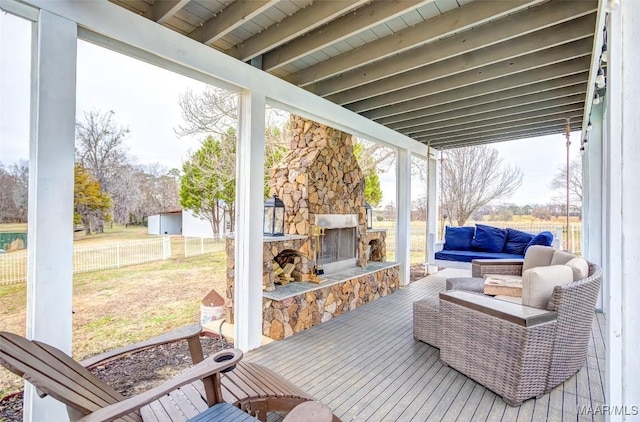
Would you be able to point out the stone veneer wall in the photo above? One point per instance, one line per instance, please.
(284, 318)
(320, 175)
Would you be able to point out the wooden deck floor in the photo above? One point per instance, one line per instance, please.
(367, 366)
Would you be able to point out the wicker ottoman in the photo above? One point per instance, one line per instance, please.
(426, 320)
(468, 284)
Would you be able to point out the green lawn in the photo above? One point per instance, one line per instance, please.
(116, 307)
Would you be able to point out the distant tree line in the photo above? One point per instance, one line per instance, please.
(474, 178)
(109, 184)
(135, 190)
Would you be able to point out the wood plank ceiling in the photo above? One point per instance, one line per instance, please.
(444, 72)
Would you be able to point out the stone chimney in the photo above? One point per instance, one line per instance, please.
(320, 175)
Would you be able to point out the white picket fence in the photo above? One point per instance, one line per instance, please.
(13, 266)
(200, 245)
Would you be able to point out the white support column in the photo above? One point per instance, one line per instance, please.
(592, 203)
(432, 201)
(622, 235)
(51, 158)
(248, 234)
(403, 227)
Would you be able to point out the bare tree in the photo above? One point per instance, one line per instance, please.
(99, 146)
(212, 111)
(14, 192)
(374, 158)
(472, 177)
(559, 184)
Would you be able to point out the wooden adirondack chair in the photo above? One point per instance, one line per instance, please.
(214, 389)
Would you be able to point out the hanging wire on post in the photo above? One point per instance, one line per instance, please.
(568, 136)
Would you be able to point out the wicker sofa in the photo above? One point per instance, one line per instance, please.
(517, 351)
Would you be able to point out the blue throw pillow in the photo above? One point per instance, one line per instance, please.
(542, 238)
(517, 241)
(458, 238)
(489, 239)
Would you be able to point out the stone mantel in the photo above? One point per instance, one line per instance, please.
(267, 239)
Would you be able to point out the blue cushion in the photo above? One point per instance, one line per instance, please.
(468, 256)
(458, 238)
(516, 242)
(542, 238)
(488, 239)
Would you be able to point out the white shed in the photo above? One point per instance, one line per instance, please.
(167, 222)
(193, 226)
(181, 222)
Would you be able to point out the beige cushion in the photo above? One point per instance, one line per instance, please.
(580, 268)
(538, 256)
(561, 257)
(538, 283)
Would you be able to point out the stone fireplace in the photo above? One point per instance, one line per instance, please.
(326, 244)
(322, 188)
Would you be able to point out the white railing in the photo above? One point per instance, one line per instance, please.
(418, 236)
(201, 245)
(13, 266)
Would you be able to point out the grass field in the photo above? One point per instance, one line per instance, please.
(113, 308)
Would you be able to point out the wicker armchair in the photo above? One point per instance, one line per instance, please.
(519, 352)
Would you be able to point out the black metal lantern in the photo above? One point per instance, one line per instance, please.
(369, 211)
(273, 224)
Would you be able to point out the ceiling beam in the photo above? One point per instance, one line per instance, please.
(301, 22)
(460, 119)
(533, 43)
(514, 134)
(530, 22)
(160, 11)
(415, 117)
(456, 20)
(436, 113)
(229, 18)
(553, 76)
(473, 142)
(345, 26)
(507, 122)
(531, 61)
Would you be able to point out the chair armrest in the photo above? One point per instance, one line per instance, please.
(185, 333)
(212, 365)
(526, 316)
(438, 246)
(480, 267)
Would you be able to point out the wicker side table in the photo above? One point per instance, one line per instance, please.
(426, 320)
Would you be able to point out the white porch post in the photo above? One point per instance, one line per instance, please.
(432, 201)
(403, 227)
(248, 236)
(51, 157)
(592, 217)
(622, 234)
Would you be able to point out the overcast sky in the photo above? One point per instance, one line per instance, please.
(145, 99)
